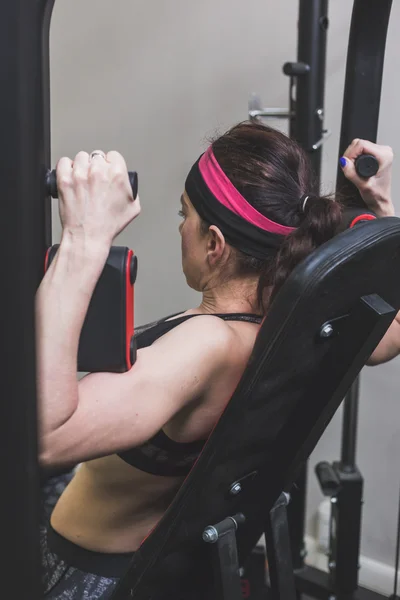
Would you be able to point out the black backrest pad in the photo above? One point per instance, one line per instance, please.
(289, 392)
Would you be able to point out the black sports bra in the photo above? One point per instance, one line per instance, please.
(160, 455)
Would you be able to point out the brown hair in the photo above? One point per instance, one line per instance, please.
(273, 172)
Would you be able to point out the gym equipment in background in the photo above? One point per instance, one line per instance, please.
(360, 119)
(360, 115)
(306, 114)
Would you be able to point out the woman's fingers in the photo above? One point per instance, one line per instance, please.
(383, 154)
(96, 197)
(376, 190)
(64, 174)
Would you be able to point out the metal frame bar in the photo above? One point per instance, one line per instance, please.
(24, 156)
(360, 116)
(307, 128)
(280, 568)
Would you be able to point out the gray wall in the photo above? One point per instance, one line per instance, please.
(154, 80)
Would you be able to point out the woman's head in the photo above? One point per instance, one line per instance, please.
(247, 209)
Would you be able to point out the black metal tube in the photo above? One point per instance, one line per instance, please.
(296, 514)
(307, 128)
(363, 84)
(349, 428)
(360, 117)
(310, 89)
(24, 109)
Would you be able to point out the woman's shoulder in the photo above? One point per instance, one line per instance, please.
(230, 334)
(209, 335)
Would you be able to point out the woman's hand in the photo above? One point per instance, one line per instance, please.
(375, 191)
(95, 196)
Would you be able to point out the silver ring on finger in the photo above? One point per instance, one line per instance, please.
(98, 153)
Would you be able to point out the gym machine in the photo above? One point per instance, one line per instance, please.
(27, 187)
(342, 481)
(26, 235)
(306, 115)
(25, 160)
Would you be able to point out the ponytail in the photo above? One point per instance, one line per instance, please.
(321, 220)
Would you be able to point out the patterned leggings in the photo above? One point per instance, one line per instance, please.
(60, 581)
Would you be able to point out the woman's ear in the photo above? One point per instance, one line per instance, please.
(216, 244)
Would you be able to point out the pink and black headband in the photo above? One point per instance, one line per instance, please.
(218, 202)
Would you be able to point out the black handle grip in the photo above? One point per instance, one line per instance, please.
(51, 183)
(328, 479)
(366, 166)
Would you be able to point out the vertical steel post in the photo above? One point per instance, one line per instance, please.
(360, 118)
(310, 89)
(307, 128)
(24, 157)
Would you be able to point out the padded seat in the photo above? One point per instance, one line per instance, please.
(320, 331)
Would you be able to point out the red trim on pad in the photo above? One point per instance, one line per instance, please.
(365, 217)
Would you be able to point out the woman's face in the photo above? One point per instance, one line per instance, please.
(194, 245)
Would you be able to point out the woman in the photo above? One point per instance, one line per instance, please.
(249, 215)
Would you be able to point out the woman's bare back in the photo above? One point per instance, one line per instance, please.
(111, 506)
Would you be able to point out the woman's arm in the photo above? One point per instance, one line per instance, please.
(105, 413)
(376, 193)
(61, 305)
(117, 411)
(95, 204)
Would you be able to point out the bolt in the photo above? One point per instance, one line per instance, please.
(210, 535)
(320, 113)
(241, 572)
(332, 565)
(236, 488)
(326, 331)
(334, 500)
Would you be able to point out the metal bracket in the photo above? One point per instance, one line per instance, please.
(256, 110)
(326, 134)
(271, 113)
(222, 538)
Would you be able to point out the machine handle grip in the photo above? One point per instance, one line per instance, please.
(366, 166)
(51, 183)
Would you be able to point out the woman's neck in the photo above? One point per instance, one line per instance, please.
(232, 297)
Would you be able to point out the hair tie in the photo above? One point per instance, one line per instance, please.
(303, 201)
